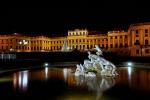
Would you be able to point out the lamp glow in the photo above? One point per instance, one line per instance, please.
(129, 64)
(46, 64)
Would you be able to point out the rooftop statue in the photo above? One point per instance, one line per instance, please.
(96, 65)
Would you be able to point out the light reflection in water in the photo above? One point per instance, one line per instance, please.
(96, 84)
(46, 72)
(129, 72)
(20, 79)
(65, 71)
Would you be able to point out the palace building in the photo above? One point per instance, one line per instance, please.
(133, 42)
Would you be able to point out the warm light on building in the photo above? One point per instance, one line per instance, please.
(134, 42)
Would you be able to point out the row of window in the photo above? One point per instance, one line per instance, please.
(138, 43)
(147, 51)
(145, 31)
(137, 35)
(6, 40)
(77, 33)
(118, 36)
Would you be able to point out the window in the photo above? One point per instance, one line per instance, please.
(146, 50)
(106, 46)
(137, 52)
(137, 42)
(146, 42)
(126, 45)
(136, 31)
(146, 35)
(115, 37)
(111, 45)
(125, 36)
(146, 30)
(120, 36)
(116, 45)
(121, 45)
(110, 37)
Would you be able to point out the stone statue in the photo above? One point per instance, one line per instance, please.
(96, 65)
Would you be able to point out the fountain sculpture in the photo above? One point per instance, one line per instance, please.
(96, 65)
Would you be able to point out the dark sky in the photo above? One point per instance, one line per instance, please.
(58, 20)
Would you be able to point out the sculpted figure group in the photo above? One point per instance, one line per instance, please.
(96, 65)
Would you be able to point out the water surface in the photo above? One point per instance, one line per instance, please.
(60, 84)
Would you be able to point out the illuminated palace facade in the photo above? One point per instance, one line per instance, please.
(134, 42)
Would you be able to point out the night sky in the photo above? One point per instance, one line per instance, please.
(56, 21)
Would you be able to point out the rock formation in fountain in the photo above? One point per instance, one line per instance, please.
(96, 65)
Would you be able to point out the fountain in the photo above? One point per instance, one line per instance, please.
(96, 65)
(65, 47)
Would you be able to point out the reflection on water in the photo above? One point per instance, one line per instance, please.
(62, 84)
(96, 84)
(46, 72)
(20, 79)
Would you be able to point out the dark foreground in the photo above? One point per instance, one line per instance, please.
(33, 58)
(51, 83)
